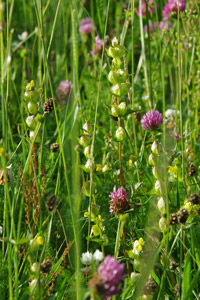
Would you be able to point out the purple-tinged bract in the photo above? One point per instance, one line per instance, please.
(118, 203)
(152, 120)
(172, 7)
(111, 273)
(86, 26)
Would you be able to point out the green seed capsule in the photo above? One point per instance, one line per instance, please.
(120, 134)
(32, 108)
(31, 123)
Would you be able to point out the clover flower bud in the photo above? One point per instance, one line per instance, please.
(161, 206)
(120, 134)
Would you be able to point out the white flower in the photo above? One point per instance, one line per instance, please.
(86, 258)
(23, 36)
(158, 186)
(161, 206)
(171, 113)
(98, 256)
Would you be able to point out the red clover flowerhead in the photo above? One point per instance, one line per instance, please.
(63, 90)
(98, 46)
(172, 7)
(118, 202)
(144, 8)
(86, 26)
(152, 120)
(111, 273)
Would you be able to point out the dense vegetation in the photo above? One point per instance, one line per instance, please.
(99, 149)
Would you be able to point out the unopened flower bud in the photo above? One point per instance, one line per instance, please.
(120, 134)
(117, 77)
(115, 110)
(89, 164)
(35, 243)
(85, 140)
(88, 128)
(116, 52)
(99, 168)
(155, 172)
(116, 63)
(152, 159)
(106, 168)
(154, 148)
(37, 138)
(32, 108)
(138, 265)
(35, 268)
(31, 123)
(94, 210)
(163, 224)
(122, 109)
(158, 186)
(121, 89)
(115, 42)
(87, 152)
(29, 87)
(135, 276)
(161, 205)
